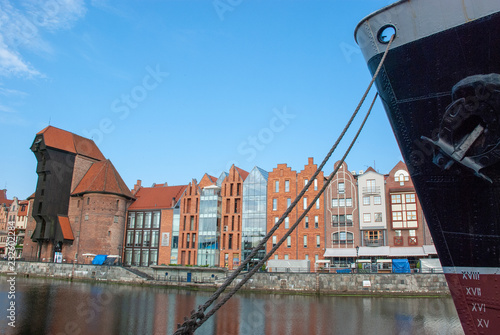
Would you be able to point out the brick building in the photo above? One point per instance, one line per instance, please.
(310, 237)
(150, 221)
(5, 205)
(407, 228)
(342, 217)
(281, 191)
(80, 199)
(189, 221)
(232, 204)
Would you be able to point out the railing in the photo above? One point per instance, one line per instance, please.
(342, 223)
(371, 190)
(337, 242)
(373, 243)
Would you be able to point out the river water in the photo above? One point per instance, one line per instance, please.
(46, 306)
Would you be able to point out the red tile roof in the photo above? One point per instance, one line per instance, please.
(66, 228)
(242, 173)
(157, 197)
(66, 141)
(20, 211)
(102, 177)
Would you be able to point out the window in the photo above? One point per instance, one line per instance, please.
(378, 217)
(230, 242)
(366, 201)
(395, 198)
(317, 203)
(156, 220)
(276, 186)
(287, 222)
(397, 233)
(289, 242)
(316, 221)
(397, 216)
(288, 202)
(305, 241)
(191, 223)
(287, 185)
(348, 202)
(410, 198)
(367, 217)
(315, 184)
(146, 241)
(411, 215)
(276, 257)
(193, 242)
(274, 240)
(341, 187)
(318, 241)
(286, 257)
(335, 202)
(275, 204)
(147, 221)
(138, 238)
(377, 200)
(155, 236)
(131, 220)
(86, 217)
(342, 220)
(140, 217)
(130, 238)
(342, 238)
(305, 203)
(306, 222)
(305, 182)
(276, 220)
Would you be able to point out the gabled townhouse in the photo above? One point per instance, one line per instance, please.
(232, 204)
(342, 217)
(190, 221)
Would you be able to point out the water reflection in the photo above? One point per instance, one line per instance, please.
(61, 307)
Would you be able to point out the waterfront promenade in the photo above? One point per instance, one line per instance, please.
(211, 278)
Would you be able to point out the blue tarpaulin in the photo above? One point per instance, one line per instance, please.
(344, 271)
(400, 266)
(99, 259)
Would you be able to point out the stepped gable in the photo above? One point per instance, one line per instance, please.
(64, 140)
(157, 197)
(102, 177)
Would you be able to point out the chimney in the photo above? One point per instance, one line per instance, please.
(137, 186)
(310, 161)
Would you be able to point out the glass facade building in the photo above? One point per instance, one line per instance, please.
(175, 232)
(254, 215)
(209, 228)
(142, 238)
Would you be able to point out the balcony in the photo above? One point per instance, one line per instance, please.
(373, 243)
(371, 190)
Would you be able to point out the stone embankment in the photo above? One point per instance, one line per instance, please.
(209, 278)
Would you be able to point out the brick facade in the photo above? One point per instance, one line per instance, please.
(232, 204)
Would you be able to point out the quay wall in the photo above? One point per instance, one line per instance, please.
(370, 284)
(295, 283)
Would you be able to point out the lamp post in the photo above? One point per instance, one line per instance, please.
(357, 256)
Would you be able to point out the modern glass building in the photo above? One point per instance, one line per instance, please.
(209, 229)
(175, 232)
(254, 220)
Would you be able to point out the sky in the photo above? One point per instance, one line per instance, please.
(171, 90)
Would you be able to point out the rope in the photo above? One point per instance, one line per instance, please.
(199, 317)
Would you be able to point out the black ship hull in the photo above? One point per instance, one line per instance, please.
(441, 93)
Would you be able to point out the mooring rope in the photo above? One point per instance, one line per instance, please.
(199, 317)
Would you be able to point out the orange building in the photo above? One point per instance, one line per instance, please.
(232, 204)
(311, 236)
(189, 221)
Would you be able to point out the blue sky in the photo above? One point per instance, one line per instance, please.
(170, 90)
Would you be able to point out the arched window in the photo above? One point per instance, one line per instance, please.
(342, 237)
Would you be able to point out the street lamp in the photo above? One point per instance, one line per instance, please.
(357, 256)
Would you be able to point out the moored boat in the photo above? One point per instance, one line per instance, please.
(440, 87)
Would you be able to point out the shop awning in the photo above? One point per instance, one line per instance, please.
(340, 252)
(407, 252)
(373, 251)
(430, 249)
